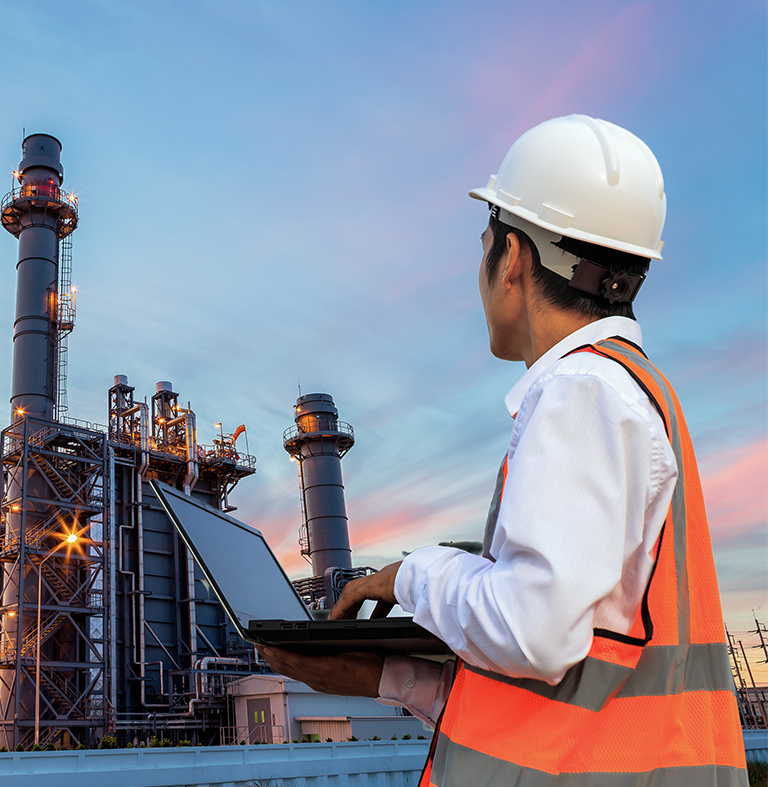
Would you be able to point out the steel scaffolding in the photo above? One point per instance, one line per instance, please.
(53, 477)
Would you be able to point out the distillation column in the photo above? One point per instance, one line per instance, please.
(317, 442)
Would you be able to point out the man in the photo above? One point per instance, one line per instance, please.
(589, 637)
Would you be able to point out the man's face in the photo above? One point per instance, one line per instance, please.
(489, 292)
(502, 299)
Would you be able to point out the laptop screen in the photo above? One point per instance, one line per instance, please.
(236, 560)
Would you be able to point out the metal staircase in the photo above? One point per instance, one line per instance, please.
(57, 481)
(62, 695)
(57, 582)
(49, 622)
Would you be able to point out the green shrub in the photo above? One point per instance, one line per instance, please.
(329, 740)
(49, 746)
(108, 742)
(406, 737)
(421, 738)
(129, 745)
(375, 738)
(36, 747)
(184, 743)
(154, 743)
(19, 747)
(758, 774)
(3, 748)
(142, 745)
(353, 738)
(80, 747)
(393, 738)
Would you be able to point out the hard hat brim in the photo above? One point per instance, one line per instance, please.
(491, 196)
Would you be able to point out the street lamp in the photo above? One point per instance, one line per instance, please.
(70, 539)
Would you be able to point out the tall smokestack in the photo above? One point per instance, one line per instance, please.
(39, 214)
(317, 442)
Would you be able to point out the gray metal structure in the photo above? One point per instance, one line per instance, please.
(123, 636)
(52, 612)
(170, 636)
(317, 442)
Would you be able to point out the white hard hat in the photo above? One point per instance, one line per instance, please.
(585, 179)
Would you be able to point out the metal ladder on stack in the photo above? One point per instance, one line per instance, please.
(65, 323)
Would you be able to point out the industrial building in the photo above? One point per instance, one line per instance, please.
(106, 624)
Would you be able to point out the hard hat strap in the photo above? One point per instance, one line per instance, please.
(551, 257)
(614, 286)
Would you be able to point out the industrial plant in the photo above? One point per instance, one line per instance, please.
(107, 625)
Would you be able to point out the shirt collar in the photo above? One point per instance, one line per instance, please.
(589, 334)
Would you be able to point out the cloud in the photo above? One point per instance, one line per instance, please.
(734, 484)
(599, 68)
(738, 359)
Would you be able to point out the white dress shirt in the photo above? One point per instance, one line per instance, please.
(590, 478)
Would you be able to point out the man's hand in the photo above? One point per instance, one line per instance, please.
(379, 587)
(350, 674)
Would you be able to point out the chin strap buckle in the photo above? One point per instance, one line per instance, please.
(614, 286)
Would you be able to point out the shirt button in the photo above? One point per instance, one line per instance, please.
(410, 683)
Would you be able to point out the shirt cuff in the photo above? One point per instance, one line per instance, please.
(411, 576)
(420, 685)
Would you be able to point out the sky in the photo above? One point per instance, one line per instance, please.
(274, 194)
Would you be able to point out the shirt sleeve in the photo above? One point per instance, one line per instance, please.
(420, 685)
(578, 476)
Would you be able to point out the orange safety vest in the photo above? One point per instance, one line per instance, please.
(655, 707)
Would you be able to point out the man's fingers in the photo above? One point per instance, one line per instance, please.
(345, 610)
(349, 602)
(382, 609)
(280, 659)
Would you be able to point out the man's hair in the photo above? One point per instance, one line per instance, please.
(555, 289)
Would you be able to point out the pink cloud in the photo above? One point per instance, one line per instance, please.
(735, 484)
(599, 68)
(739, 358)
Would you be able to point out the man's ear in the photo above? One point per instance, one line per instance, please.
(511, 266)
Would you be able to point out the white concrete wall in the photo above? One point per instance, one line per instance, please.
(370, 764)
(299, 700)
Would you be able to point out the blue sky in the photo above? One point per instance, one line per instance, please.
(274, 193)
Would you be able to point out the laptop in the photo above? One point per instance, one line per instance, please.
(260, 600)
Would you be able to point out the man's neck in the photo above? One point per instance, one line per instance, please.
(547, 326)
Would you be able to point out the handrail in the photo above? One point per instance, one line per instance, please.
(210, 454)
(40, 191)
(342, 428)
(87, 425)
(49, 196)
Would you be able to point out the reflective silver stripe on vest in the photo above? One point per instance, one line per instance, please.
(678, 496)
(493, 512)
(661, 671)
(458, 766)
